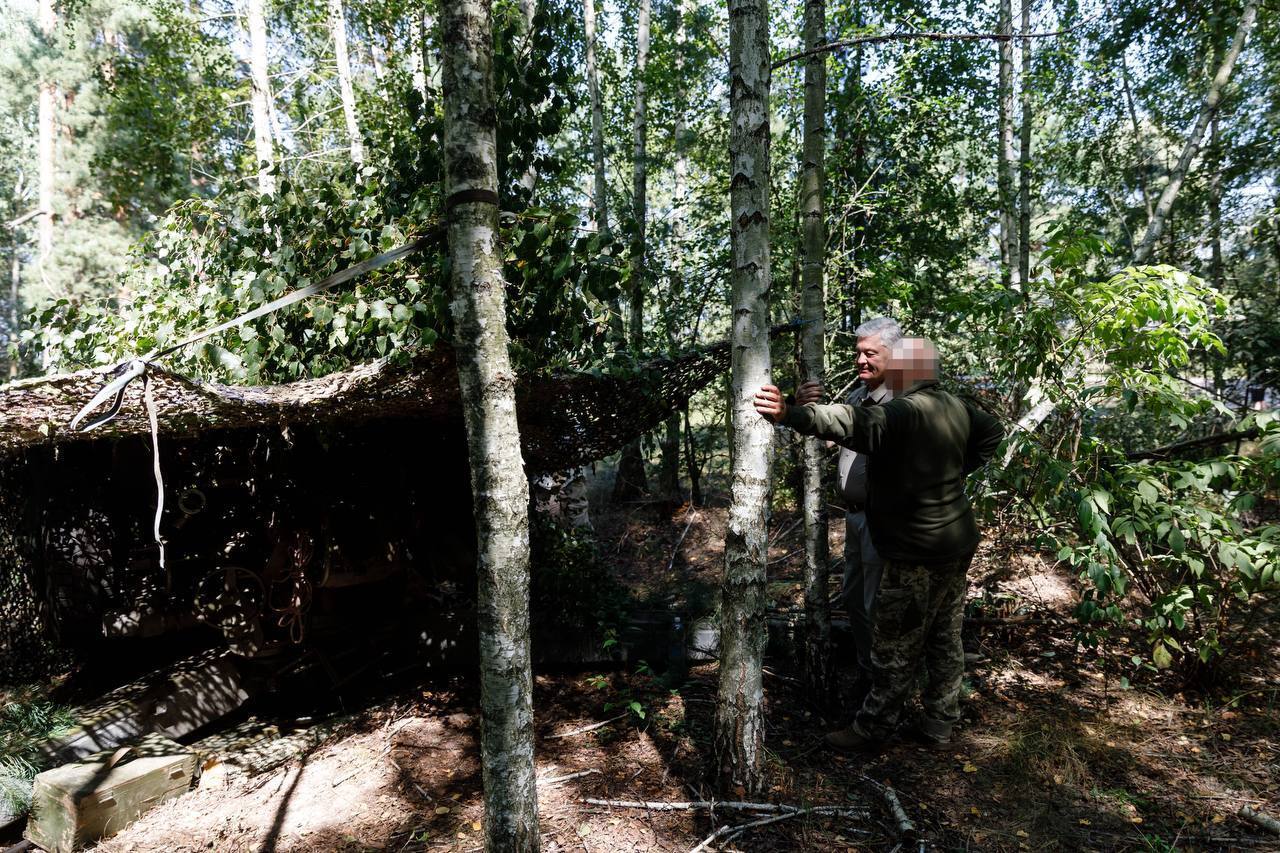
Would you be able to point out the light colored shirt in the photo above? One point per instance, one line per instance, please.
(851, 467)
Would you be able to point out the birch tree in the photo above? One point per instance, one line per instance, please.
(739, 721)
(260, 80)
(338, 27)
(631, 478)
(1196, 136)
(818, 662)
(499, 487)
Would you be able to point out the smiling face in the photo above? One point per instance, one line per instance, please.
(873, 358)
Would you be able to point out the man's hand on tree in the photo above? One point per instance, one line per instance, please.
(770, 404)
(809, 392)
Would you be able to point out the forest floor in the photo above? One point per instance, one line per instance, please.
(1053, 754)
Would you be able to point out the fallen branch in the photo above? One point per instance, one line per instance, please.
(567, 777)
(1261, 819)
(906, 829)
(590, 728)
(694, 805)
(1191, 444)
(710, 838)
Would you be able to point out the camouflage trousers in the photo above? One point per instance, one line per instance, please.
(916, 624)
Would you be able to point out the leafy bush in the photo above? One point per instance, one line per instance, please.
(1171, 547)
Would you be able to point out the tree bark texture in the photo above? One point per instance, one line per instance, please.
(670, 470)
(47, 120)
(739, 722)
(1207, 110)
(499, 487)
(818, 662)
(1024, 160)
(1215, 166)
(640, 181)
(1137, 136)
(338, 25)
(631, 478)
(1007, 157)
(15, 311)
(601, 200)
(260, 80)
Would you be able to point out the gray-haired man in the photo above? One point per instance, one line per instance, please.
(862, 564)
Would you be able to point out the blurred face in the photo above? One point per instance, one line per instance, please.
(873, 359)
(913, 360)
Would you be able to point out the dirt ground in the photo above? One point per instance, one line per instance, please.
(1054, 753)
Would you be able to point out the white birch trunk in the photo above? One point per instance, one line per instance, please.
(338, 25)
(1005, 165)
(1189, 150)
(46, 154)
(817, 610)
(739, 721)
(263, 147)
(422, 58)
(499, 487)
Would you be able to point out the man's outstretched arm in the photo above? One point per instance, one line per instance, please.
(860, 429)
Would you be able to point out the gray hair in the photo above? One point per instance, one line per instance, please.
(886, 327)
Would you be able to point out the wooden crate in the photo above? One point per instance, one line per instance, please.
(90, 799)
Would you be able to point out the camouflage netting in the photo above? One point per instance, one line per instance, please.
(566, 420)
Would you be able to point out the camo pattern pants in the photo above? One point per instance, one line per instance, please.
(916, 624)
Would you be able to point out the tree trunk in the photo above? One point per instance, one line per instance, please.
(338, 25)
(263, 148)
(15, 312)
(691, 461)
(1137, 136)
(1005, 166)
(739, 721)
(1024, 161)
(499, 487)
(818, 661)
(422, 58)
(47, 119)
(1215, 169)
(670, 445)
(601, 200)
(1207, 110)
(631, 478)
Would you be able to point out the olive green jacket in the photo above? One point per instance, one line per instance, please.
(922, 445)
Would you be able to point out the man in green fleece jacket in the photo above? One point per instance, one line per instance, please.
(922, 445)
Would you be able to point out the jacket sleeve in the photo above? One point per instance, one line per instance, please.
(985, 435)
(858, 428)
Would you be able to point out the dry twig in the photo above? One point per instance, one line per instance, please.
(1261, 819)
(590, 728)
